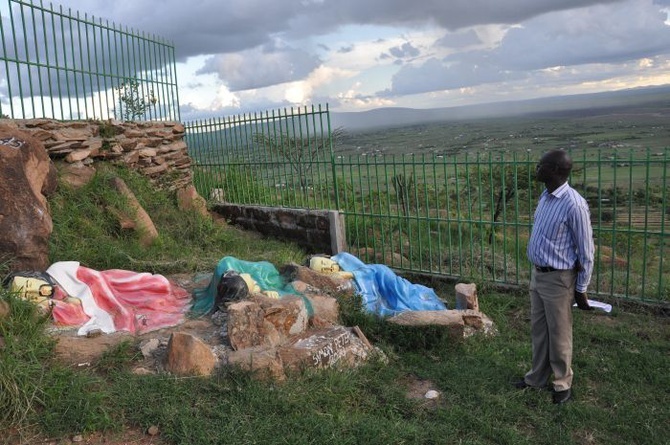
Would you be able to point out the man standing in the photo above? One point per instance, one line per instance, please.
(561, 252)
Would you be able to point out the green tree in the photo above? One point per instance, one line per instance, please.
(403, 185)
(301, 153)
(506, 182)
(133, 103)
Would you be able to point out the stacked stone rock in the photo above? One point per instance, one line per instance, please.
(154, 148)
(274, 337)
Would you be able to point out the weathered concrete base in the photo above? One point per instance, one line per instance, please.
(317, 231)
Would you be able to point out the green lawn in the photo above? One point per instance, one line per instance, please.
(621, 390)
(621, 362)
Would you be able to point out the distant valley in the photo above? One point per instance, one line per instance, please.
(646, 100)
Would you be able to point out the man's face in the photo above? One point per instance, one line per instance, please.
(544, 170)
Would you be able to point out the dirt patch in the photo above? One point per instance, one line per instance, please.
(72, 349)
(80, 351)
(127, 437)
(131, 436)
(603, 318)
(423, 391)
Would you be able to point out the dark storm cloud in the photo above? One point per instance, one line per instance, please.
(436, 75)
(260, 68)
(61, 56)
(252, 44)
(209, 27)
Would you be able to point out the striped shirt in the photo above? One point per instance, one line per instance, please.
(562, 234)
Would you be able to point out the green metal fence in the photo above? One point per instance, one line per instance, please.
(466, 216)
(278, 158)
(471, 216)
(56, 63)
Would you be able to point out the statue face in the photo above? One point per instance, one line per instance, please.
(324, 265)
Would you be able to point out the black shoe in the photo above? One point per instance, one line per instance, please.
(521, 384)
(560, 397)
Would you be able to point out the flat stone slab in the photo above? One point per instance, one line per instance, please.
(325, 348)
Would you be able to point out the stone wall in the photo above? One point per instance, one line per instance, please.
(317, 231)
(154, 148)
(157, 149)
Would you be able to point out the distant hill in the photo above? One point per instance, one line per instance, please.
(636, 100)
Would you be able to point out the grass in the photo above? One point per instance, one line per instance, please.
(85, 230)
(621, 363)
(37, 394)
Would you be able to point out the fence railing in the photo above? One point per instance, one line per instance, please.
(273, 158)
(466, 216)
(59, 64)
(471, 217)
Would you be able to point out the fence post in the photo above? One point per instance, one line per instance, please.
(332, 160)
(338, 239)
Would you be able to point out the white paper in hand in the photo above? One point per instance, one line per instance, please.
(599, 305)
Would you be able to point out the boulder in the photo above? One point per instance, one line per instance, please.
(466, 296)
(325, 309)
(325, 348)
(262, 361)
(78, 155)
(288, 315)
(189, 200)
(26, 174)
(247, 326)
(188, 355)
(330, 284)
(77, 174)
(143, 223)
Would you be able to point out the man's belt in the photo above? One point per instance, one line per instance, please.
(545, 269)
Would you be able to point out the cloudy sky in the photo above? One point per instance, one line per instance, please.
(237, 56)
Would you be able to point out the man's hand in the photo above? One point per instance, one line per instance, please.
(582, 301)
